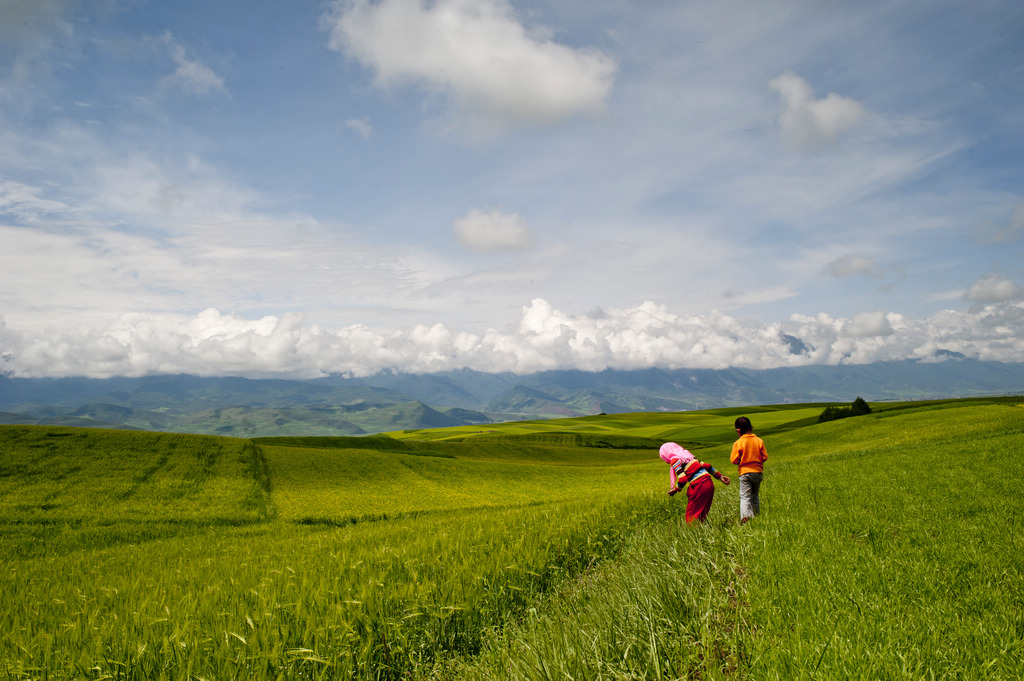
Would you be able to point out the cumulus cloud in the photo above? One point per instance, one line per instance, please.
(191, 76)
(868, 325)
(811, 125)
(493, 231)
(993, 288)
(545, 338)
(849, 265)
(477, 53)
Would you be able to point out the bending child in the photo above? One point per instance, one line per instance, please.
(685, 470)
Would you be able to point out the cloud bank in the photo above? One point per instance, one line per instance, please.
(648, 335)
(252, 173)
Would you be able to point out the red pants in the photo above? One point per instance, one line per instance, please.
(698, 499)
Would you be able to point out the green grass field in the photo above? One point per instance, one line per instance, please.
(888, 548)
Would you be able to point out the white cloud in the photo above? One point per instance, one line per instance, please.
(647, 335)
(476, 52)
(24, 203)
(946, 296)
(809, 124)
(493, 231)
(993, 288)
(849, 265)
(117, 217)
(191, 76)
(868, 325)
(361, 126)
(76, 252)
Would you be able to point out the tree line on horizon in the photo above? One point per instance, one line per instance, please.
(857, 408)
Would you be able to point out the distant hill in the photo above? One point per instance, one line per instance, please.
(390, 401)
(222, 406)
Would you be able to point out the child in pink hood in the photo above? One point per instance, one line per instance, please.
(685, 469)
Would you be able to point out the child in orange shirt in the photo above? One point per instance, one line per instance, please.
(749, 454)
(696, 475)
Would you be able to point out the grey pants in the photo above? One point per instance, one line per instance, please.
(750, 499)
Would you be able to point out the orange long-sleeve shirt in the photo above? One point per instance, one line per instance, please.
(749, 454)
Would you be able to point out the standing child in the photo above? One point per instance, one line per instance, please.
(749, 454)
(696, 475)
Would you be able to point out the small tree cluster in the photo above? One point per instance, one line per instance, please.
(857, 408)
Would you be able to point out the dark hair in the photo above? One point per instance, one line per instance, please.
(744, 426)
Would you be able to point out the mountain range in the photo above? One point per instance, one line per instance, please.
(389, 401)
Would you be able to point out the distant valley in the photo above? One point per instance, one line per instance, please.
(340, 405)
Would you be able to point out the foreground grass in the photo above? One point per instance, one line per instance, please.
(284, 601)
(214, 586)
(888, 548)
(895, 554)
(672, 606)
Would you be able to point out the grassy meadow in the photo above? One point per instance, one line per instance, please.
(888, 547)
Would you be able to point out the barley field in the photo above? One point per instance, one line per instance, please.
(888, 548)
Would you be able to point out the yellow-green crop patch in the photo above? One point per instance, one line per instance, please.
(692, 429)
(887, 548)
(338, 485)
(50, 475)
(295, 602)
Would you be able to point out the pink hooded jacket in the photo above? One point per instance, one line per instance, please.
(670, 451)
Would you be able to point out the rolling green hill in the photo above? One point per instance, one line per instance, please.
(696, 430)
(887, 549)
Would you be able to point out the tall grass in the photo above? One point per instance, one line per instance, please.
(889, 548)
(370, 600)
(671, 607)
(894, 552)
(187, 587)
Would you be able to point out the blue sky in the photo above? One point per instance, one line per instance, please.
(313, 187)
